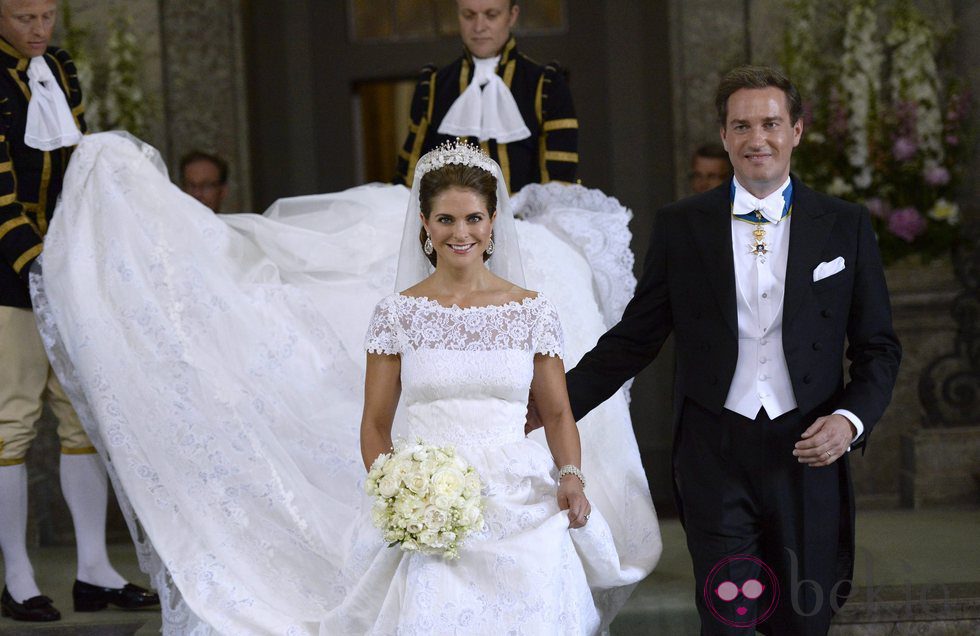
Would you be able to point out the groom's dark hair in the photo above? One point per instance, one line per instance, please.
(757, 77)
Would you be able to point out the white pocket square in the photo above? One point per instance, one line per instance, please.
(823, 270)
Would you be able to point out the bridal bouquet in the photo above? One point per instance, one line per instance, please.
(427, 499)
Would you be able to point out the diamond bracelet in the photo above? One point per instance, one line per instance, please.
(569, 469)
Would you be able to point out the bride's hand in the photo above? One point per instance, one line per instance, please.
(571, 497)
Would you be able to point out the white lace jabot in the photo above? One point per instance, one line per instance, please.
(486, 109)
(50, 123)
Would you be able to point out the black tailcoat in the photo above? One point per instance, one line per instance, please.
(688, 287)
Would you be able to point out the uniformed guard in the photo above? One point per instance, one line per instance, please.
(520, 112)
(41, 120)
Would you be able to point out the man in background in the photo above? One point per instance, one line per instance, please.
(710, 168)
(205, 177)
(520, 112)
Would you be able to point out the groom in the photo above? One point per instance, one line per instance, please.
(762, 280)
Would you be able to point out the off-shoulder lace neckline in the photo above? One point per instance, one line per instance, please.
(425, 300)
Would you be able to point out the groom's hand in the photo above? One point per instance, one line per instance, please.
(825, 441)
(533, 419)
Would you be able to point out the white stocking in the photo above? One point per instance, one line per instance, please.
(84, 485)
(18, 573)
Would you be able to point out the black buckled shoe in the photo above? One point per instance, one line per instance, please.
(92, 598)
(36, 609)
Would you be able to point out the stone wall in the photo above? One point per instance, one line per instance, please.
(193, 73)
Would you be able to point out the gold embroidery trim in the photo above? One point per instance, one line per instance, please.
(12, 223)
(88, 450)
(560, 124)
(542, 140)
(42, 195)
(416, 150)
(558, 155)
(26, 257)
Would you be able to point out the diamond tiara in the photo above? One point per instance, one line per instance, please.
(456, 152)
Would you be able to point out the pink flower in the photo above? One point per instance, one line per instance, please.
(878, 207)
(936, 175)
(952, 140)
(904, 149)
(907, 224)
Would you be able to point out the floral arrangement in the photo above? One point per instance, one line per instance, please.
(427, 499)
(110, 74)
(884, 122)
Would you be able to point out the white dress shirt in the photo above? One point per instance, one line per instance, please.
(761, 379)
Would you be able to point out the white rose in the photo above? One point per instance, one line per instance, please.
(399, 468)
(379, 514)
(434, 517)
(473, 486)
(388, 486)
(443, 502)
(430, 539)
(429, 465)
(417, 483)
(407, 505)
(471, 516)
(448, 482)
(378, 465)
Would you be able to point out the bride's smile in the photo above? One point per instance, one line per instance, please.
(459, 225)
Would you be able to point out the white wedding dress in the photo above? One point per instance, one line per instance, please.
(218, 362)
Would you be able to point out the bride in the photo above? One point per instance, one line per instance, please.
(218, 365)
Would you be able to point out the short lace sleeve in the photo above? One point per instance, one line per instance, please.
(382, 333)
(547, 335)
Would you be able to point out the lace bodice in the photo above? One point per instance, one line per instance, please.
(466, 371)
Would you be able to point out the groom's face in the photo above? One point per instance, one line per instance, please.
(760, 138)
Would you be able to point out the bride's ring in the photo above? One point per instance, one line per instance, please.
(586, 517)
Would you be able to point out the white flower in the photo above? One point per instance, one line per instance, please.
(470, 515)
(418, 483)
(863, 179)
(448, 481)
(838, 187)
(472, 487)
(388, 486)
(407, 505)
(379, 512)
(435, 517)
(427, 499)
(944, 210)
(443, 502)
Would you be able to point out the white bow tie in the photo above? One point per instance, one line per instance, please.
(50, 123)
(770, 207)
(486, 109)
